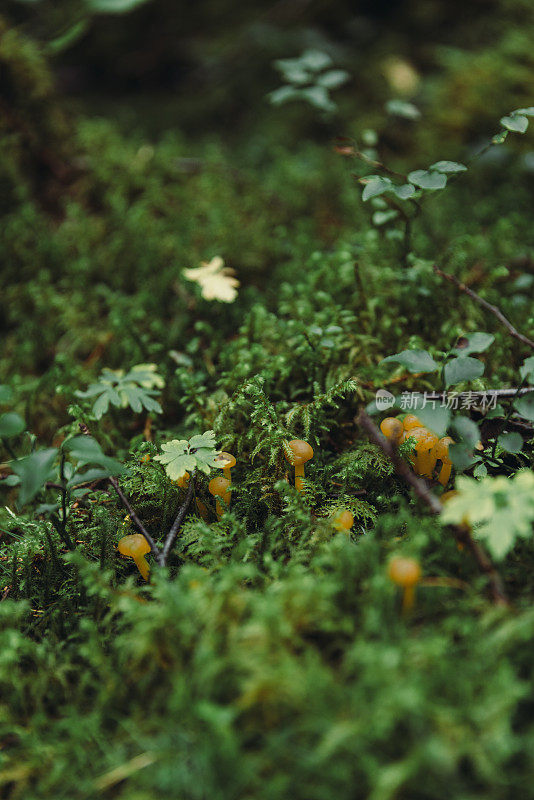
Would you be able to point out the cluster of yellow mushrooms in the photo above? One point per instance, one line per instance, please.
(429, 449)
(136, 547)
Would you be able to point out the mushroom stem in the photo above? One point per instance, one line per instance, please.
(408, 599)
(142, 565)
(445, 472)
(299, 475)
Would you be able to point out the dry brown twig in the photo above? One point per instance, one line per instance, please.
(462, 535)
(488, 306)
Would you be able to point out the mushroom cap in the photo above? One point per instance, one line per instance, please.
(225, 460)
(343, 519)
(183, 481)
(404, 571)
(301, 452)
(392, 429)
(441, 448)
(424, 438)
(411, 421)
(219, 486)
(133, 545)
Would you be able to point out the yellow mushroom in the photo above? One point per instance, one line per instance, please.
(343, 520)
(136, 546)
(301, 452)
(424, 442)
(220, 487)
(393, 429)
(183, 482)
(410, 421)
(440, 452)
(226, 461)
(406, 573)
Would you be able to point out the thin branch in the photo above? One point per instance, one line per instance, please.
(135, 519)
(173, 532)
(504, 393)
(488, 306)
(401, 467)
(161, 555)
(462, 535)
(9, 449)
(127, 505)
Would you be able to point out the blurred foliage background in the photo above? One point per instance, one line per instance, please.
(136, 140)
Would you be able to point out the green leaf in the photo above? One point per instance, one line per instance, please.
(526, 112)
(333, 79)
(6, 394)
(93, 474)
(315, 60)
(400, 108)
(511, 442)
(11, 424)
(467, 430)
(203, 440)
(180, 456)
(381, 217)
(434, 417)
(448, 167)
(318, 97)
(136, 389)
(403, 192)
(426, 179)
(374, 186)
(33, 470)
(114, 6)
(517, 124)
(414, 361)
(176, 458)
(283, 95)
(499, 510)
(480, 471)
(525, 406)
(527, 369)
(86, 450)
(474, 343)
(463, 368)
(461, 456)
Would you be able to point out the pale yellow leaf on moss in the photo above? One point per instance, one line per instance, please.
(216, 281)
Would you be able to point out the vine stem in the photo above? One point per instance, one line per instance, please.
(461, 534)
(488, 306)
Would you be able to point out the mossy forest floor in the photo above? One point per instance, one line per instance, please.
(271, 657)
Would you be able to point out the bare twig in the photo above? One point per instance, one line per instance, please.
(135, 519)
(161, 555)
(401, 467)
(488, 306)
(462, 534)
(503, 393)
(173, 532)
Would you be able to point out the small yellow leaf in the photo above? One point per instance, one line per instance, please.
(216, 281)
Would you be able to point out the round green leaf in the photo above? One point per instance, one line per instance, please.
(414, 361)
(426, 179)
(525, 406)
(448, 167)
(463, 368)
(375, 185)
(511, 442)
(517, 124)
(6, 394)
(11, 424)
(476, 342)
